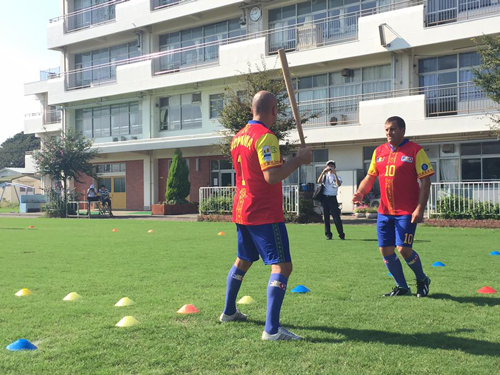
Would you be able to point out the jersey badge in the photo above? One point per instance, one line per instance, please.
(266, 151)
(407, 159)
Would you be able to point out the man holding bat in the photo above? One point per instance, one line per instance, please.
(399, 164)
(258, 212)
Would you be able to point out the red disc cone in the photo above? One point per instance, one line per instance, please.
(188, 309)
(487, 290)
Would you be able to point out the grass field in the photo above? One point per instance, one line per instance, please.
(4, 210)
(349, 328)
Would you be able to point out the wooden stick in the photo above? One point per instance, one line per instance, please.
(291, 94)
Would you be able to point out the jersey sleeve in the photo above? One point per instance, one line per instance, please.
(372, 171)
(423, 165)
(268, 150)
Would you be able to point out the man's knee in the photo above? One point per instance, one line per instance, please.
(405, 251)
(284, 268)
(243, 265)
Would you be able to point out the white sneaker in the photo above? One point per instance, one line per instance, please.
(282, 334)
(237, 316)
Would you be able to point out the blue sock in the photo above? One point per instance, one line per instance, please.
(234, 280)
(416, 265)
(275, 295)
(394, 266)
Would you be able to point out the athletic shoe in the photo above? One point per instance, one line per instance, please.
(238, 316)
(328, 238)
(282, 334)
(423, 287)
(398, 292)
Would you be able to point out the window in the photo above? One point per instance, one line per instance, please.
(106, 121)
(119, 185)
(110, 168)
(216, 105)
(85, 17)
(480, 161)
(180, 112)
(200, 45)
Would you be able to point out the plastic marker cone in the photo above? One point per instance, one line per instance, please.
(73, 296)
(495, 253)
(24, 292)
(125, 301)
(188, 309)
(150, 231)
(114, 230)
(21, 344)
(487, 290)
(437, 264)
(127, 321)
(31, 227)
(300, 289)
(247, 300)
(221, 234)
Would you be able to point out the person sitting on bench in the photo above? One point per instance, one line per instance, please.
(104, 195)
(91, 197)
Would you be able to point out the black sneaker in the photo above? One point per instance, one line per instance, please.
(423, 287)
(398, 292)
(328, 237)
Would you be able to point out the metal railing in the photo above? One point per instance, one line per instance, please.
(440, 100)
(88, 17)
(49, 73)
(440, 12)
(162, 4)
(219, 200)
(49, 117)
(464, 199)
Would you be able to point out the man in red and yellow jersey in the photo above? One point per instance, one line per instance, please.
(399, 165)
(258, 212)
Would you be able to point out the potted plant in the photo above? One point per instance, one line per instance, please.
(178, 188)
(360, 211)
(371, 212)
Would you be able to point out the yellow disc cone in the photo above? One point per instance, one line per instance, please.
(127, 321)
(73, 296)
(24, 292)
(125, 301)
(221, 234)
(247, 300)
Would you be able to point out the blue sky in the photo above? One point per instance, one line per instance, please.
(24, 54)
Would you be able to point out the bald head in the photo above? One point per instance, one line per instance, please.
(263, 103)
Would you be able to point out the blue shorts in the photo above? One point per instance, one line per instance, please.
(270, 241)
(395, 230)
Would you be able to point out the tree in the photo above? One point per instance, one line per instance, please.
(65, 158)
(487, 75)
(178, 185)
(237, 109)
(13, 150)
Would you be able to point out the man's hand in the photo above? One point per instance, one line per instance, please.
(304, 155)
(357, 198)
(417, 216)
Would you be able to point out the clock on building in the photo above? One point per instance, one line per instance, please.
(255, 14)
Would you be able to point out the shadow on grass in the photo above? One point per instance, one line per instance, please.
(376, 240)
(434, 340)
(479, 301)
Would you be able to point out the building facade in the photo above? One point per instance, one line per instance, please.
(144, 77)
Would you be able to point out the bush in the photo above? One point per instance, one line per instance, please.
(5, 204)
(449, 207)
(217, 205)
(362, 209)
(178, 185)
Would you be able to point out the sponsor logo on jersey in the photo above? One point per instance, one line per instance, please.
(425, 167)
(278, 284)
(407, 159)
(380, 159)
(266, 151)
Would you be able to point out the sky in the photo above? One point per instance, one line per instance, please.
(24, 45)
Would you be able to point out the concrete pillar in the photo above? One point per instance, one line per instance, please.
(146, 117)
(147, 183)
(154, 180)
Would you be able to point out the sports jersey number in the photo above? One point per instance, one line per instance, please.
(241, 169)
(390, 170)
(408, 238)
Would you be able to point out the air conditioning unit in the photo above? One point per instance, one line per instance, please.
(347, 73)
(309, 36)
(115, 139)
(122, 138)
(197, 97)
(448, 148)
(134, 138)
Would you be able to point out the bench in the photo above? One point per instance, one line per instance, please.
(31, 203)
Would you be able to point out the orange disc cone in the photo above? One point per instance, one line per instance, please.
(31, 227)
(114, 230)
(487, 290)
(150, 231)
(221, 234)
(188, 309)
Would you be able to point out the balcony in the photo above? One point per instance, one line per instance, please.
(162, 4)
(440, 12)
(42, 122)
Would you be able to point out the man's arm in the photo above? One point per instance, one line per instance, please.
(364, 188)
(277, 174)
(418, 214)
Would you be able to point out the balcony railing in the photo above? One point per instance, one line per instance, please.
(49, 117)
(88, 17)
(441, 100)
(439, 12)
(464, 198)
(219, 200)
(49, 73)
(161, 4)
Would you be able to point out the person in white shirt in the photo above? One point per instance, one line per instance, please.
(331, 182)
(91, 197)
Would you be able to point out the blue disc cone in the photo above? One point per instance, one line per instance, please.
(495, 253)
(437, 264)
(21, 344)
(300, 289)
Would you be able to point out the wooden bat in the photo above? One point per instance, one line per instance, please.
(291, 94)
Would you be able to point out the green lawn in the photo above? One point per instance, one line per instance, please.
(8, 210)
(349, 328)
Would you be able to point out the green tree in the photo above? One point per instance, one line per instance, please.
(178, 185)
(487, 75)
(13, 150)
(237, 109)
(65, 158)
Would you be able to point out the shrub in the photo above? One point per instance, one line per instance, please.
(456, 207)
(217, 205)
(178, 185)
(361, 209)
